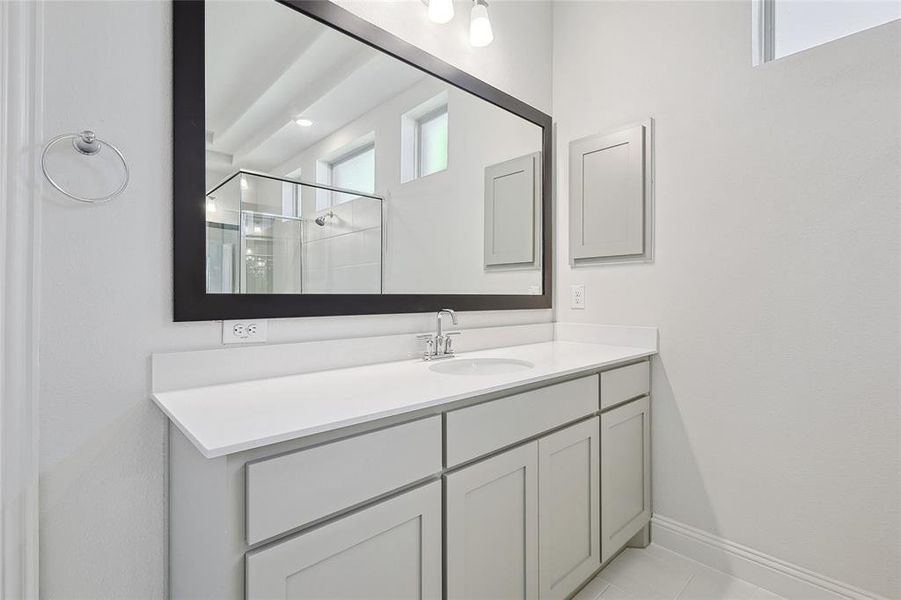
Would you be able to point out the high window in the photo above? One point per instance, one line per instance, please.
(355, 171)
(431, 143)
(424, 139)
(785, 27)
(351, 167)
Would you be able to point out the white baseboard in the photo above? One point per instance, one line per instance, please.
(778, 576)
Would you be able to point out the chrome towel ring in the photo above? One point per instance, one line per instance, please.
(87, 143)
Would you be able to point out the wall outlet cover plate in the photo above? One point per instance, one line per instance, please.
(577, 298)
(245, 331)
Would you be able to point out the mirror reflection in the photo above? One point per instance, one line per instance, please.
(333, 168)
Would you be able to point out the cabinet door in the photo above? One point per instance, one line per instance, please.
(569, 530)
(391, 550)
(512, 202)
(607, 195)
(492, 528)
(625, 474)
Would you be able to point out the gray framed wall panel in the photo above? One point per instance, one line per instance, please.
(512, 212)
(610, 196)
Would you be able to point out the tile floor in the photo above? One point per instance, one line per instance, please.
(654, 573)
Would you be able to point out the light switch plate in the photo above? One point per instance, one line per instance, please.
(245, 331)
(577, 298)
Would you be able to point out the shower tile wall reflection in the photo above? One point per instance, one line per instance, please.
(259, 240)
(343, 255)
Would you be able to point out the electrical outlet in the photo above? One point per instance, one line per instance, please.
(577, 299)
(245, 332)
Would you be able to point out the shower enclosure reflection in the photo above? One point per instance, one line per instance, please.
(266, 235)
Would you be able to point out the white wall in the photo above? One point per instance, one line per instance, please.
(106, 286)
(775, 284)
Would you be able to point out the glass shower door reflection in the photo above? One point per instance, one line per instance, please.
(222, 252)
(271, 249)
(271, 235)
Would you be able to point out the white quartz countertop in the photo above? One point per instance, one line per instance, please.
(228, 418)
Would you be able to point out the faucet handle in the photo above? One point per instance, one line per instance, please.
(430, 345)
(449, 342)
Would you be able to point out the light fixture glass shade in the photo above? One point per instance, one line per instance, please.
(441, 11)
(480, 33)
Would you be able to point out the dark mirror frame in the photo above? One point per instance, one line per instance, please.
(192, 302)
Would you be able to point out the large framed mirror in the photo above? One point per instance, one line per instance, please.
(323, 166)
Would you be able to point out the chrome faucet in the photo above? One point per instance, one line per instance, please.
(440, 344)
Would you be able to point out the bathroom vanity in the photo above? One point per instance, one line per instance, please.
(516, 474)
(512, 471)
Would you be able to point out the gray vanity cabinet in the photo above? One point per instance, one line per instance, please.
(569, 529)
(625, 474)
(389, 550)
(522, 496)
(492, 527)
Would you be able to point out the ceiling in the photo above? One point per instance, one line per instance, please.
(266, 64)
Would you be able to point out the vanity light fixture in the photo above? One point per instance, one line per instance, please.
(303, 122)
(440, 11)
(480, 33)
(211, 204)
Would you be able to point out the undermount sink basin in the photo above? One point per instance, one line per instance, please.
(480, 366)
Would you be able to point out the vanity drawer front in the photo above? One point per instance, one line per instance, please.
(477, 430)
(625, 383)
(294, 489)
